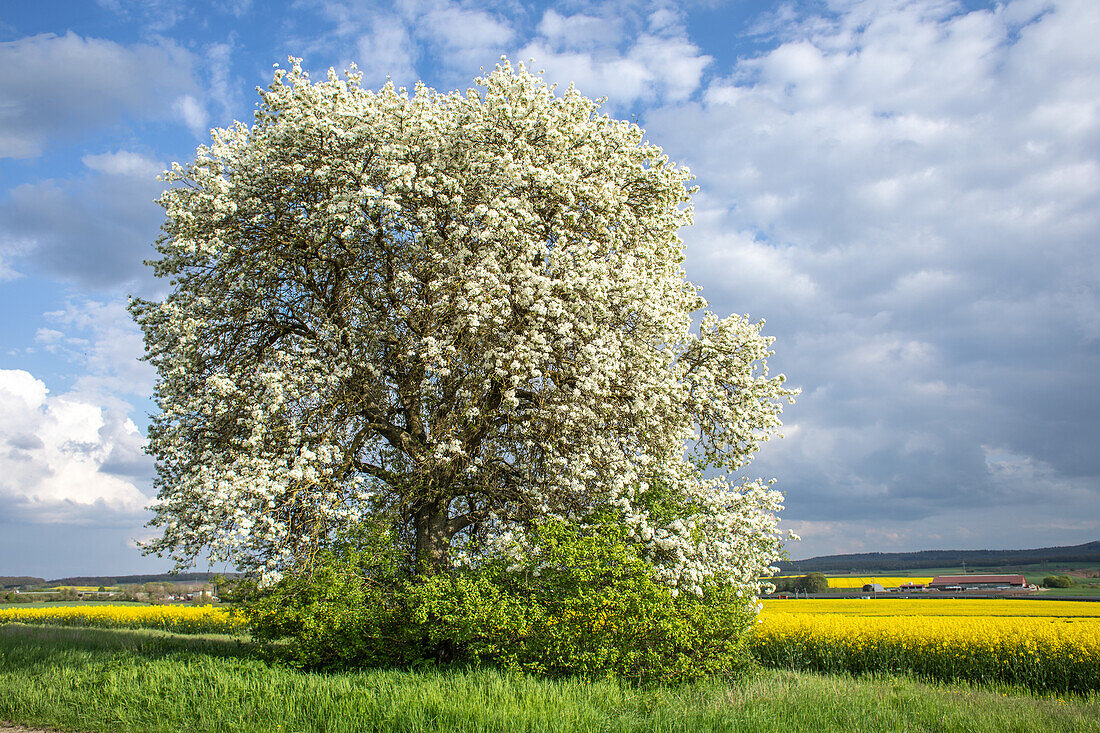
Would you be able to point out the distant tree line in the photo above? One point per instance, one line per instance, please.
(141, 579)
(27, 582)
(1088, 552)
(20, 581)
(12, 596)
(201, 591)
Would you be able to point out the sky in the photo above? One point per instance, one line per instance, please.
(908, 191)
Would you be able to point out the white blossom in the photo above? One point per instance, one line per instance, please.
(465, 311)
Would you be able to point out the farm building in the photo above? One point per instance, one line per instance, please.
(978, 582)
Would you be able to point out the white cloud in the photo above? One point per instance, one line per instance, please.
(124, 163)
(63, 457)
(12, 248)
(576, 32)
(157, 16)
(57, 87)
(238, 8)
(675, 65)
(193, 114)
(464, 38)
(218, 60)
(49, 338)
(750, 265)
(386, 39)
(605, 56)
(102, 339)
(386, 51)
(609, 50)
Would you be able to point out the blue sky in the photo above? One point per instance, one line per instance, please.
(907, 190)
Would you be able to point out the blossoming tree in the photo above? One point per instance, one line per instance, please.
(466, 312)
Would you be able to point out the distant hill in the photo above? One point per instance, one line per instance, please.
(1088, 552)
(14, 581)
(138, 579)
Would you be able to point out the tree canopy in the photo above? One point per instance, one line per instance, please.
(460, 314)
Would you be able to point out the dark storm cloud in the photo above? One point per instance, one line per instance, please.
(58, 87)
(94, 230)
(911, 195)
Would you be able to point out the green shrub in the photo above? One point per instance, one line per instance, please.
(1057, 581)
(13, 597)
(344, 611)
(583, 603)
(813, 583)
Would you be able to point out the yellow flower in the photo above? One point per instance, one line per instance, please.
(178, 619)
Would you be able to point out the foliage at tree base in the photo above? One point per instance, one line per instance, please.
(586, 605)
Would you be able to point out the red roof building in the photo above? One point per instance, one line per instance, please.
(978, 581)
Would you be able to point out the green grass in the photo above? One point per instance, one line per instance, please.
(117, 680)
(1077, 590)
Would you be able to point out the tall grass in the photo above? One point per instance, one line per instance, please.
(117, 680)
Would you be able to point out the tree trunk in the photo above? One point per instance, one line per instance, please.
(433, 540)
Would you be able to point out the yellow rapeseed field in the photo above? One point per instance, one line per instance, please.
(846, 582)
(1041, 644)
(177, 619)
(975, 607)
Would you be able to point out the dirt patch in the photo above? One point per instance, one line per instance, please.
(1083, 573)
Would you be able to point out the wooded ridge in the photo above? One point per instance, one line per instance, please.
(1088, 552)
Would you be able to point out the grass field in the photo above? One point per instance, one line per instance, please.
(1079, 591)
(119, 680)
